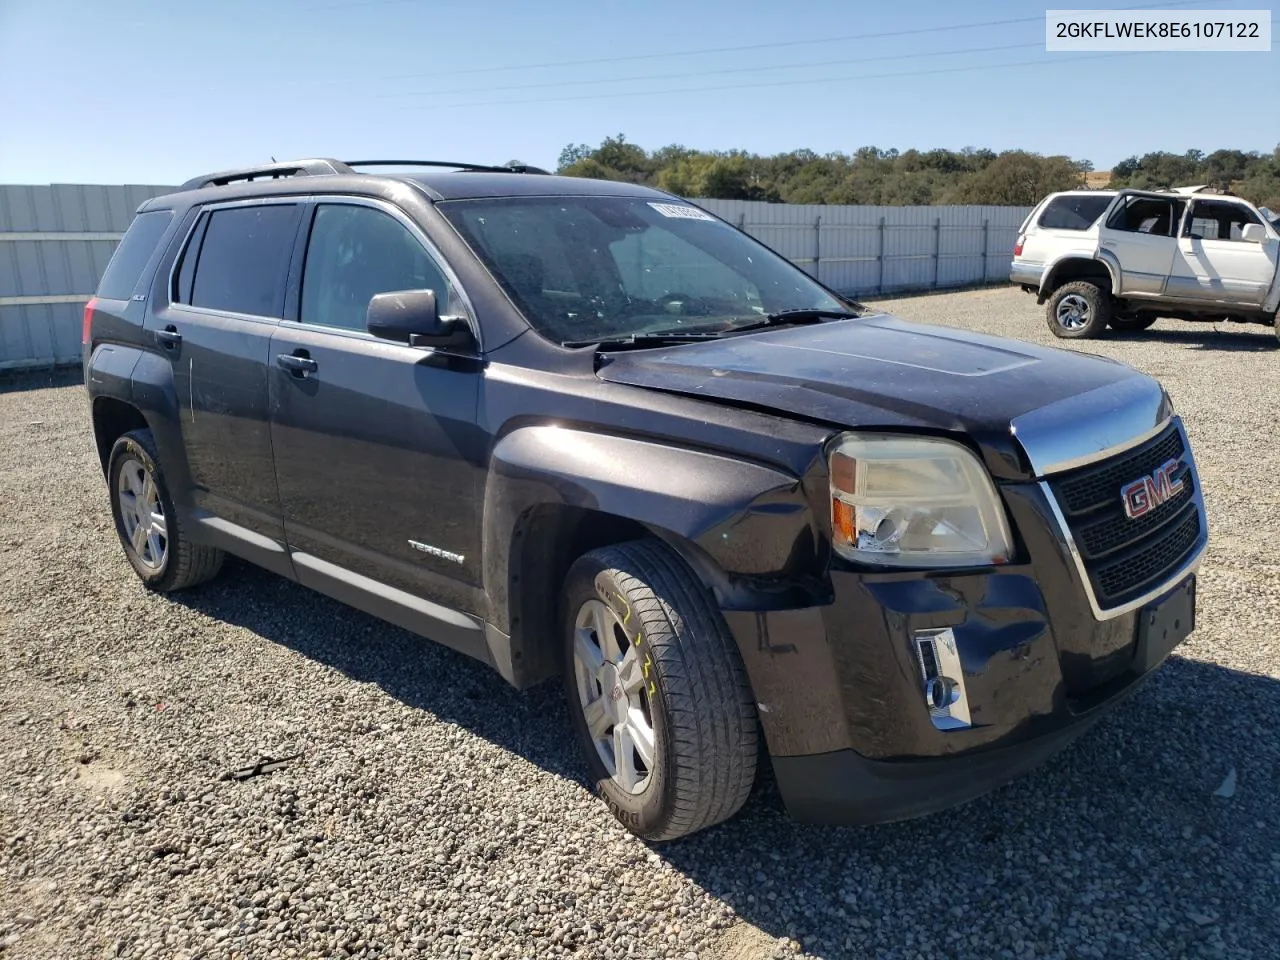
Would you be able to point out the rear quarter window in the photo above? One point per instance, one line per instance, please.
(130, 258)
(1073, 213)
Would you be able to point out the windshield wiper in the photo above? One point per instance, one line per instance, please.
(643, 340)
(801, 315)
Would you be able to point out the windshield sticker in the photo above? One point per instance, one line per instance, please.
(678, 211)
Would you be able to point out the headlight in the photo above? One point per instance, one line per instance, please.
(913, 502)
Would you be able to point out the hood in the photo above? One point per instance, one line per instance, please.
(882, 372)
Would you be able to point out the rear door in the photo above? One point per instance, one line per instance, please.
(1141, 232)
(377, 451)
(1214, 263)
(213, 324)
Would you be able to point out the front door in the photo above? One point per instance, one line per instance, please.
(213, 322)
(1140, 233)
(1215, 263)
(377, 452)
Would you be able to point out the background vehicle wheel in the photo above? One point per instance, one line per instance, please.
(146, 522)
(1078, 310)
(1134, 323)
(657, 692)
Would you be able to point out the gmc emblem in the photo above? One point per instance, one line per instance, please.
(1146, 493)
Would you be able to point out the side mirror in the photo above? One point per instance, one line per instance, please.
(1254, 233)
(412, 317)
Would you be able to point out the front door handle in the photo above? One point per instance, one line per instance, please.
(299, 364)
(169, 337)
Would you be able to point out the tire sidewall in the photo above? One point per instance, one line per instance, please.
(130, 446)
(1098, 314)
(646, 812)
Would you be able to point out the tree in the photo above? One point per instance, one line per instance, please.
(1020, 179)
(873, 175)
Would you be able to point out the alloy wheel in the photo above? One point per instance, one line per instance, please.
(1073, 312)
(142, 514)
(613, 694)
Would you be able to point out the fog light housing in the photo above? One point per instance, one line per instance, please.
(942, 679)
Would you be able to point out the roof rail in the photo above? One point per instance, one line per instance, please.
(478, 167)
(268, 171)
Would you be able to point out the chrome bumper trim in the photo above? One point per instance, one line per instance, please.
(1026, 272)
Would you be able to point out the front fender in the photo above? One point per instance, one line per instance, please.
(746, 527)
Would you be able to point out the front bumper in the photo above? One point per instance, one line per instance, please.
(844, 787)
(839, 691)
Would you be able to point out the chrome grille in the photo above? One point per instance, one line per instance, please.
(1124, 559)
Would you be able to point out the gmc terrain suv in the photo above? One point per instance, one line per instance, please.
(1123, 259)
(587, 430)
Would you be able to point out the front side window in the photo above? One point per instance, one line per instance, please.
(1215, 220)
(356, 252)
(1074, 211)
(587, 268)
(1153, 216)
(240, 260)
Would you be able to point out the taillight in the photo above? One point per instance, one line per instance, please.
(88, 320)
(1017, 247)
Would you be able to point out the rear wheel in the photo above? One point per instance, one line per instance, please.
(1133, 323)
(1078, 310)
(657, 692)
(147, 523)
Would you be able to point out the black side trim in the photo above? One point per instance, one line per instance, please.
(449, 627)
(242, 542)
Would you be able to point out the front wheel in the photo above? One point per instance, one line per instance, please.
(657, 692)
(1078, 310)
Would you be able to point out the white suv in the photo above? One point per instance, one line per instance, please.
(1123, 258)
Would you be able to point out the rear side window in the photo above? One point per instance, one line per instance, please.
(1149, 215)
(236, 261)
(131, 256)
(1073, 212)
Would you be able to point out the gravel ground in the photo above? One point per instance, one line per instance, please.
(431, 811)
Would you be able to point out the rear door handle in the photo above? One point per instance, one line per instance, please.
(169, 337)
(298, 364)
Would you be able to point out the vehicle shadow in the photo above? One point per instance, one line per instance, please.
(1204, 337)
(19, 381)
(1119, 846)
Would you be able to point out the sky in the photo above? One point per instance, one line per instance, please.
(157, 91)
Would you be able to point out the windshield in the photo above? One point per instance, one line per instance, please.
(605, 268)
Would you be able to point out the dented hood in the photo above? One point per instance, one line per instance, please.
(882, 372)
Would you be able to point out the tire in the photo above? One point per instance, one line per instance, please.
(685, 678)
(165, 560)
(1078, 310)
(1133, 324)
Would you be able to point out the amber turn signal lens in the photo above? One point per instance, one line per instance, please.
(842, 520)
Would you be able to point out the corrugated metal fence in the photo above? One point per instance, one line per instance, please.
(870, 250)
(55, 242)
